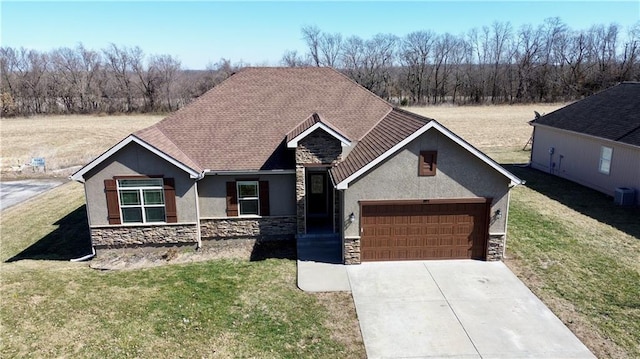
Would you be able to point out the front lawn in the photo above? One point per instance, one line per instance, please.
(217, 309)
(580, 254)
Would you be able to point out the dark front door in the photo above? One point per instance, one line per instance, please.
(317, 195)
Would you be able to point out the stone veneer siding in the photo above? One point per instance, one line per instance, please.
(276, 227)
(120, 236)
(318, 147)
(352, 250)
(495, 247)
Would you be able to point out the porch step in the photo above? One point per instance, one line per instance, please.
(325, 248)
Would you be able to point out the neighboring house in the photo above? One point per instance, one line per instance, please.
(594, 141)
(291, 152)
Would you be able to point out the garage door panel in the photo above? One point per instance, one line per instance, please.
(423, 231)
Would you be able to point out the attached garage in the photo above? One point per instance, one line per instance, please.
(429, 229)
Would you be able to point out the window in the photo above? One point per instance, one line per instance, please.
(427, 165)
(248, 198)
(606, 154)
(141, 200)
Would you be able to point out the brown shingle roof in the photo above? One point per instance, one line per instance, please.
(154, 136)
(613, 114)
(241, 124)
(395, 127)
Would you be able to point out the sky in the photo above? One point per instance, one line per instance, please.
(258, 33)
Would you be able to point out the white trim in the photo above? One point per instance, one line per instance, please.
(245, 172)
(319, 125)
(432, 124)
(78, 176)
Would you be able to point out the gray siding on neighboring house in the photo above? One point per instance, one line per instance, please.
(459, 175)
(212, 191)
(134, 159)
(576, 157)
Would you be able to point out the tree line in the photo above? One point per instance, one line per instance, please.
(493, 64)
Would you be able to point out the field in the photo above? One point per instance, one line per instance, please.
(64, 141)
(576, 251)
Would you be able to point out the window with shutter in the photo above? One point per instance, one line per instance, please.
(427, 165)
(247, 198)
(141, 200)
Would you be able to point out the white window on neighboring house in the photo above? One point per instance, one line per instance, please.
(248, 198)
(606, 153)
(141, 200)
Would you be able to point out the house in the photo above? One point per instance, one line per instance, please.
(291, 152)
(594, 141)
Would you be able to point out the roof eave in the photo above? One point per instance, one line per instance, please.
(79, 175)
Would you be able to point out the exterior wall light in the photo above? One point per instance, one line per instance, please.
(498, 214)
(352, 217)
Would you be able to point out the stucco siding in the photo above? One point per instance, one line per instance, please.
(459, 175)
(213, 193)
(576, 157)
(133, 159)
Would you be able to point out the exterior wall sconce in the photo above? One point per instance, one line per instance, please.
(352, 217)
(498, 214)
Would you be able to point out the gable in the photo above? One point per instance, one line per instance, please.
(121, 149)
(391, 135)
(613, 114)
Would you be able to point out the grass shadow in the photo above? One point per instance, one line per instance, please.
(587, 201)
(277, 249)
(70, 240)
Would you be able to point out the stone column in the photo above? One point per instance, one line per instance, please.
(300, 199)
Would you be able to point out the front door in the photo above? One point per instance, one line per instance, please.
(319, 194)
(317, 201)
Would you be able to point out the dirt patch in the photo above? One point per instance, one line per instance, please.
(147, 257)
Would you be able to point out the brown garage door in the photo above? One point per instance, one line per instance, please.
(415, 231)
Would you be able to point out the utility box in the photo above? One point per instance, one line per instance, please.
(625, 196)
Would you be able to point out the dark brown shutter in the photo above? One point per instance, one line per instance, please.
(170, 200)
(113, 208)
(264, 198)
(428, 161)
(232, 200)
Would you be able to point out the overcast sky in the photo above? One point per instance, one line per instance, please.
(258, 33)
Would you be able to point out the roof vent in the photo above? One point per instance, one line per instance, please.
(625, 196)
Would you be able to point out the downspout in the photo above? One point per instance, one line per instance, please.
(198, 232)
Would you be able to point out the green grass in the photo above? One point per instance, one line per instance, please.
(581, 255)
(221, 308)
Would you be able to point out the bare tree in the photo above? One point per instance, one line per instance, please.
(312, 35)
(330, 47)
(415, 52)
(292, 59)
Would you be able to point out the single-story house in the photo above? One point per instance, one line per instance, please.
(291, 152)
(594, 141)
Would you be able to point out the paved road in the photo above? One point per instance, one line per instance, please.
(14, 192)
(455, 309)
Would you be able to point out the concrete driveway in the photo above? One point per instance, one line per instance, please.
(455, 309)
